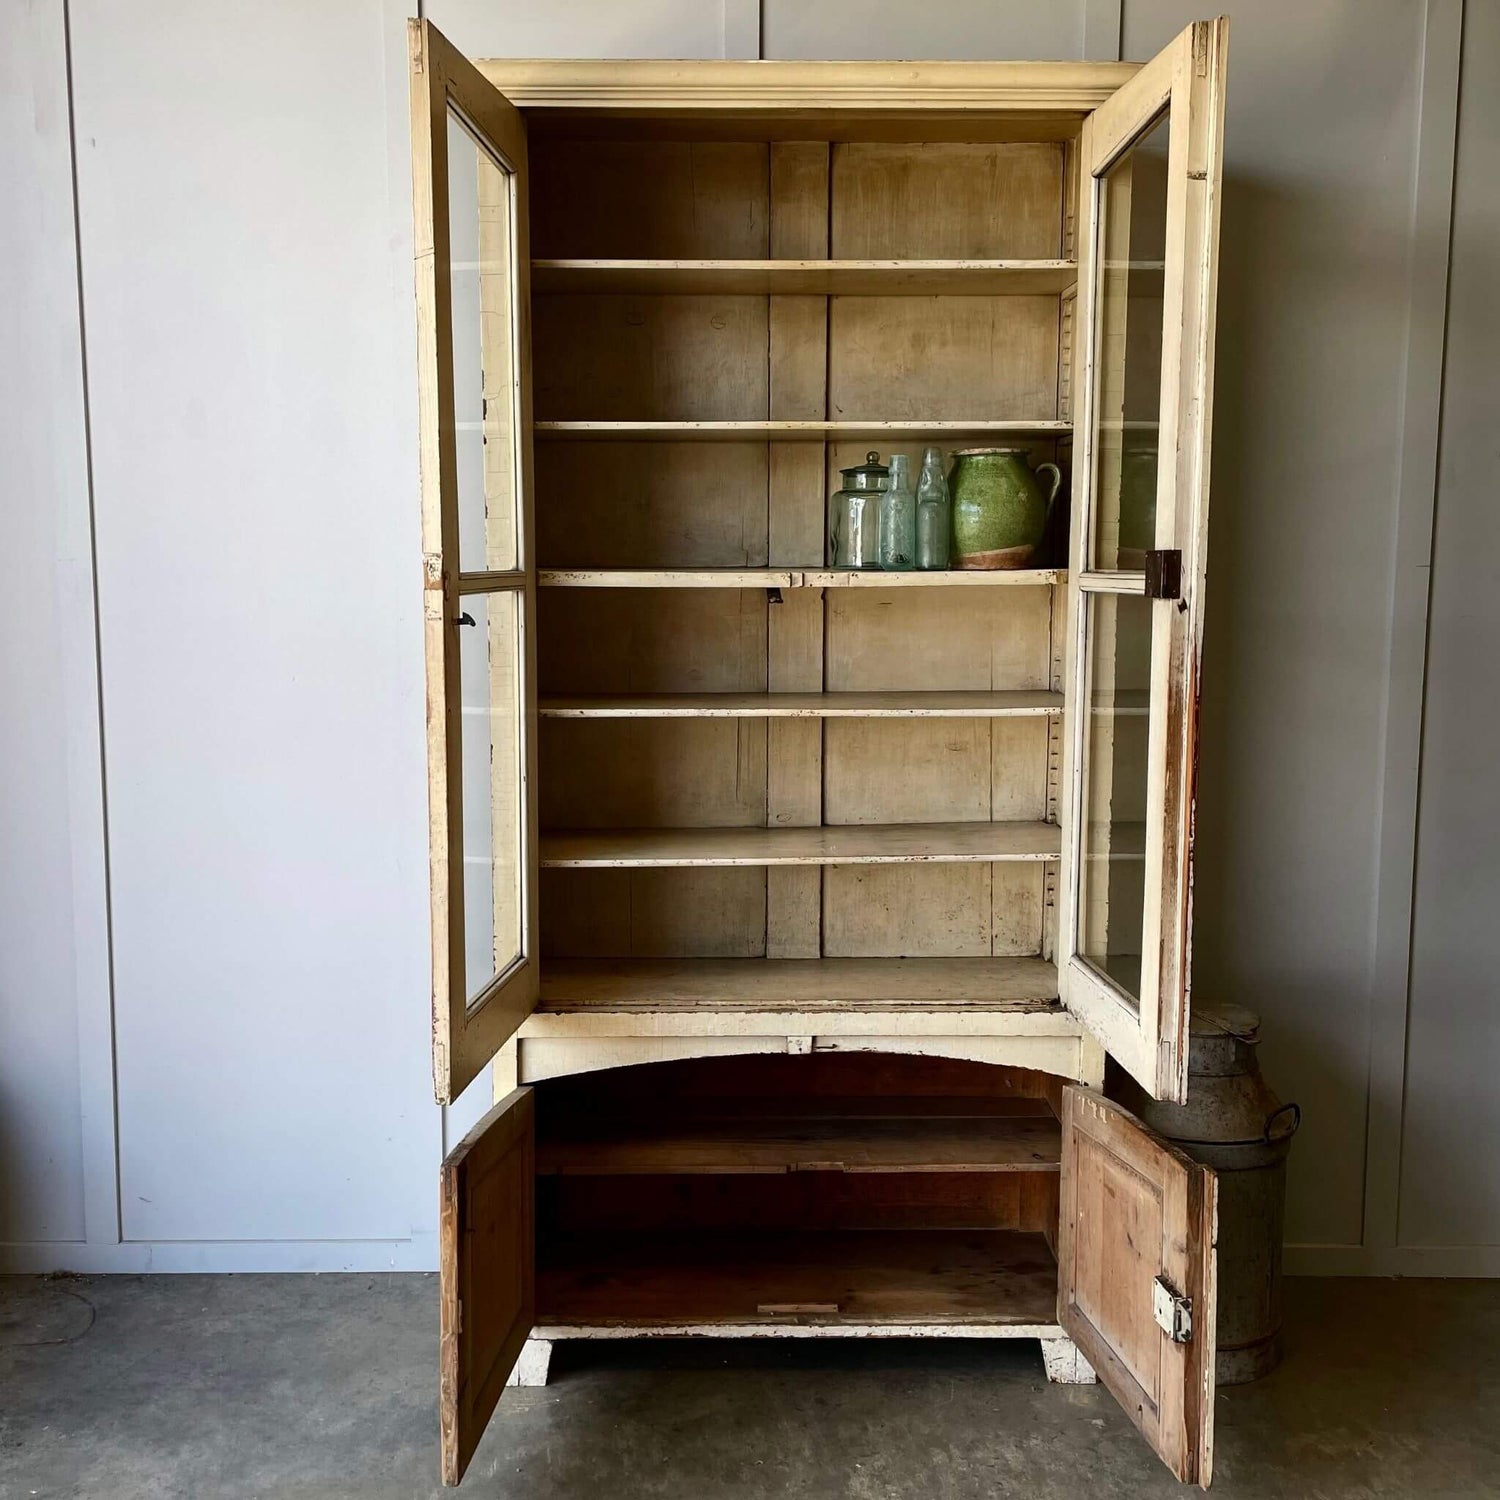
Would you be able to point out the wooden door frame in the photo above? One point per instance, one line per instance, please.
(1187, 77)
(467, 1033)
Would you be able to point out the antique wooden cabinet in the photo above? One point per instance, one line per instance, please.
(798, 909)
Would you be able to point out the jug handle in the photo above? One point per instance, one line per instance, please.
(1056, 483)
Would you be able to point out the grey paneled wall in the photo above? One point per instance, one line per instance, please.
(46, 624)
(246, 306)
(1450, 1177)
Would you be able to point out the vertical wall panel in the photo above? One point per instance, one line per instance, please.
(43, 539)
(1450, 1175)
(253, 425)
(900, 29)
(586, 28)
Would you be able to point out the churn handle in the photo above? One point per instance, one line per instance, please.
(1271, 1135)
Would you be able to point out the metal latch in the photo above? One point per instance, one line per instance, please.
(1164, 574)
(1173, 1314)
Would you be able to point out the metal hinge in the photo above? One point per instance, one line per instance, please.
(1164, 574)
(1173, 1314)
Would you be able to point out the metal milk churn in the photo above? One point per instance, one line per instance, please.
(1233, 1123)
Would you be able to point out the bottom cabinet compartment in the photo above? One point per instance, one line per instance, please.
(696, 1279)
(746, 1193)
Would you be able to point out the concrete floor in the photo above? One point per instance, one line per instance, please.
(324, 1386)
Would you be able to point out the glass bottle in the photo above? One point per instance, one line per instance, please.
(854, 516)
(932, 512)
(898, 518)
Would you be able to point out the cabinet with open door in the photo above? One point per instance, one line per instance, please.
(795, 909)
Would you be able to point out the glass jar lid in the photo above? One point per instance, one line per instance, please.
(861, 475)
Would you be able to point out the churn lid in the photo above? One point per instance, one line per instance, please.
(1220, 1039)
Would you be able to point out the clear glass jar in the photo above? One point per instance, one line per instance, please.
(933, 530)
(854, 515)
(898, 519)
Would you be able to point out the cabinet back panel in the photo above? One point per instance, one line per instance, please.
(649, 200)
(934, 770)
(942, 358)
(644, 641)
(932, 911)
(946, 201)
(653, 773)
(939, 639)
(806, 1201)
(633, 358)
(710, 913)
(652, 505)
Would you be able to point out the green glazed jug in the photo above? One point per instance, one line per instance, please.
(1137, 507)
(999, 511)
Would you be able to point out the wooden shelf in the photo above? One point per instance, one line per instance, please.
(629, 1146)
(970, 705)
(850, 844)
(789, 431)
(794, 578)
(846, 278)
(917, 1277)
(798, 984)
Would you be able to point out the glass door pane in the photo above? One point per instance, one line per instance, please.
(1130, 244)
(492, 754)
(482, 283)
(1112, 874)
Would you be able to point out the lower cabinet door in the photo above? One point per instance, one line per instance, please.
(1136, 1269)
(487, 1263)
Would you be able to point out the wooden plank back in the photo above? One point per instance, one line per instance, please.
(1135, 1210)
(487, 1271)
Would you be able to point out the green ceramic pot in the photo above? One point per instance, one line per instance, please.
(1137, 506)
(999, 511)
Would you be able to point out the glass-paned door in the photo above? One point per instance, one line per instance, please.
(469, 189)
(1149, 191)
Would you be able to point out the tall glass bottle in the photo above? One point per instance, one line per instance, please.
(932, 512)
(898, 519)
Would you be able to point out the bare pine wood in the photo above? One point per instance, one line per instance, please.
(795, 509)
(665, 360)
(801, 984)
(975, 705)
(998, 357)
(803, 1202)
(486, 1271)
(845, 278)
(638, 1146)
(911, 843)
(870, 1276)
(939, 200)
(615, 198)
(1135, 1209)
